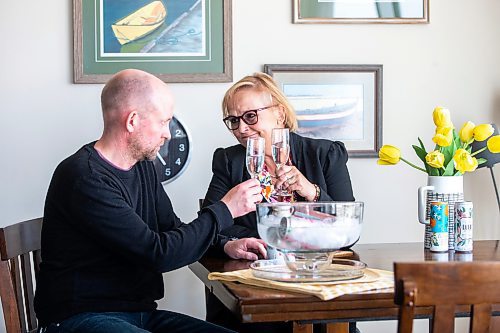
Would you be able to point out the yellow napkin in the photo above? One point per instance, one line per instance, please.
(372, 279)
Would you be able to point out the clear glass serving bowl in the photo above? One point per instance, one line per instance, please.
(340, 269)
(308, 233)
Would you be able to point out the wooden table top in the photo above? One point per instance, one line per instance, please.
(255, 304)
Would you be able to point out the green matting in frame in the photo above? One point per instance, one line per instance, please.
(190, 41)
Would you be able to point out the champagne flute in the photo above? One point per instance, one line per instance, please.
(255, 155)
(281, 152)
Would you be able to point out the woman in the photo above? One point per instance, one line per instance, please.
(316, 169)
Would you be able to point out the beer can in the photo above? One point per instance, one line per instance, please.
(439, 226)
(463, 226)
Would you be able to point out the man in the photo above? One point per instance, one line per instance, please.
(109, 229)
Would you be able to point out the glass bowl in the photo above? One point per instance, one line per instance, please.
(308, 233)
(340, 269)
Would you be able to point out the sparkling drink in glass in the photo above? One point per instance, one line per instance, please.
(255, 156)
(281, 152)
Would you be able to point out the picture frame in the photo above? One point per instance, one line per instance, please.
(361, 11)
(188, 41)
(335, 102)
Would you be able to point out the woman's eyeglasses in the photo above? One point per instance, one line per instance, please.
(250, 117)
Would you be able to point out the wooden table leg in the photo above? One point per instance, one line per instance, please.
(302, 328)
(337, 328)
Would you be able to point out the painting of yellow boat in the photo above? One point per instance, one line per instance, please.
(140, 23)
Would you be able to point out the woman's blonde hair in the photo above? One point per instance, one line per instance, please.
(263, 82)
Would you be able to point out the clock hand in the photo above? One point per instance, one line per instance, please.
(161, 159)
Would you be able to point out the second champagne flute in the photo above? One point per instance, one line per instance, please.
(255, 155)
(281, 152)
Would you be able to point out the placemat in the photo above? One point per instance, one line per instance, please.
(372, 279)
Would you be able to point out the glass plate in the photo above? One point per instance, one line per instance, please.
(277, 270)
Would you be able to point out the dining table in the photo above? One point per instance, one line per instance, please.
(252, 304)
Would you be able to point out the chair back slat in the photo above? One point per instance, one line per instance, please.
(444, 318)
(15, 269)
(8, 297)
(481, 316)
(444, 285)
(28, 289)
(20, 258)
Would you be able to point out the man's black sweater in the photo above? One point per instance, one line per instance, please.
(107, 236)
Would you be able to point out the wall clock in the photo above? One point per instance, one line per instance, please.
(173, 157)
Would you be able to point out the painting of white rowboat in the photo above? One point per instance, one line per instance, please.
(322, 111)
(140, 23)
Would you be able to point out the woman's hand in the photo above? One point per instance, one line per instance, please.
(291, 179)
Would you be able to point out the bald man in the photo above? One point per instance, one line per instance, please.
(109, 230)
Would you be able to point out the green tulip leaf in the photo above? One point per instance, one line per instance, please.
(421, 154)
(422, 146)
(456, 139)
(481, 161)
(433, 171)
(450, 169)
(448, 152)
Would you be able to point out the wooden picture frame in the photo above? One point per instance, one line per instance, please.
(335, 102)
(190, 41)
(366, 11)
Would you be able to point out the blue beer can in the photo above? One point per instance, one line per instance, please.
(439, 226)
(463, 226)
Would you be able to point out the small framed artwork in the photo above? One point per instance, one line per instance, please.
(361, 11)
(178, 41)
(336, 102)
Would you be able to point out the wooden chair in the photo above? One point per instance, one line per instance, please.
(444, 285)
(20, 257)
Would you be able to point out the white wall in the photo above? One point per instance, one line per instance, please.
(452, 61)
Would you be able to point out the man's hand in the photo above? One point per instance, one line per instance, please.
(241, 199)
(246, 248)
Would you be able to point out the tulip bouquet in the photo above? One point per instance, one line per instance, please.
(452, 155)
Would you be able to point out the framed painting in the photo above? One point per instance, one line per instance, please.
(176, 40)
(336, 102)
(361, 11)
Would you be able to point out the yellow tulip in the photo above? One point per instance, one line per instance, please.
(441, 117)
(435, 159)
(466, 131)
(463, 161)
(483, 132)
(493, 144)
(444, 136)
(389, 155)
